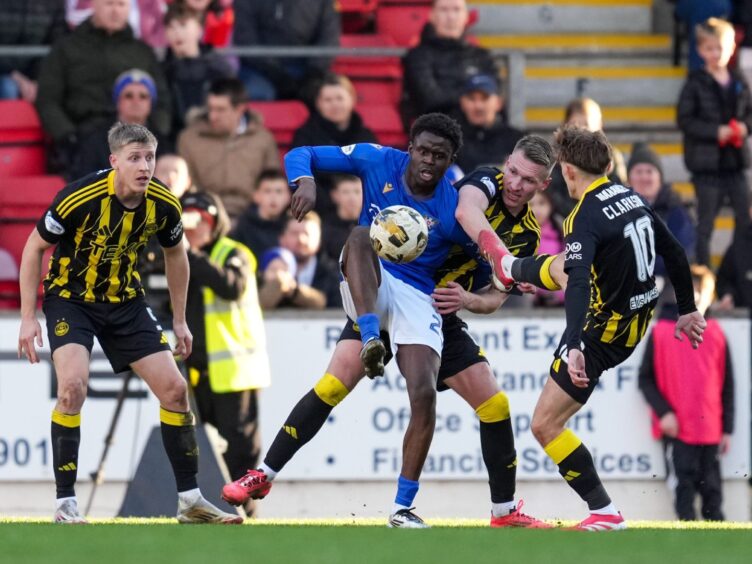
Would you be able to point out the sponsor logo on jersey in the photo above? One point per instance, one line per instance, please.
(572, 251)
(62, 328)
(52, 225)
(489, 184)
(176, 232)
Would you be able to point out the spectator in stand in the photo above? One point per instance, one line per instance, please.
(694, 12)
(261, 225)
(76, 78)
(145, 18)
(134, 93)
(438, 68)
(173, 171)
(551, 242)
(715, 116)
(734, 282)
(217, 17)
(314, 23)
(297, 274)
(585, 113)
(486, 138)
(691, 394)
(645, 176)
(189, 66)
(333, 121)
(347, 195)
(227, 146)
(28, 23)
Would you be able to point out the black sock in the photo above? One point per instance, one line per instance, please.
(66, 435)
(304, 421)
(576, 466)
(497, 445)
(535, 270)
(179, 439)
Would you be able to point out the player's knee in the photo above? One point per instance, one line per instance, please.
(423, 399)
(175, 395)
(71, 395)
(542, 429)
(494, 409)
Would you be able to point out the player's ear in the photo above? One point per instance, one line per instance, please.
(113, 160)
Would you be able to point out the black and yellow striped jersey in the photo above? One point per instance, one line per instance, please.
(98, 239)
(520, 234)
(612, 235)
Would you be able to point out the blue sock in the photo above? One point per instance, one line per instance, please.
(406, 492)
(369, 327)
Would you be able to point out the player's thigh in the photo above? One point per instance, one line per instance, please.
(475, 384)
(554, 408)
(345, 364)
(71, 363)
(161, 374)
(459, 356)
(419, 364)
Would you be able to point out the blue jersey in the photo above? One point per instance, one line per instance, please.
(382, 172)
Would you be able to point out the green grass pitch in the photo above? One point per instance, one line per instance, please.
(144, 541)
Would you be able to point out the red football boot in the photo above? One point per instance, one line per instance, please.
(518, 519)
(600, 522)
(254, 485)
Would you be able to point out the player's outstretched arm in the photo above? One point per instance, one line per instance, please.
(454, 297)
(692, 325)
(178, 272)
(30, 332)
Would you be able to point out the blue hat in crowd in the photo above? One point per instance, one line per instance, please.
(481, 83)
(134, 76)
(281, 253)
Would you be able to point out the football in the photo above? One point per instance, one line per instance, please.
(399, 234)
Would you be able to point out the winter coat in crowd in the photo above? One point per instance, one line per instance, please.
(486, 145)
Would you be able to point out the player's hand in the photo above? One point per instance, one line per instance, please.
(184, 338)
(576, 367)
(450, 299)
(29, 334)
(304, 198)
(725, 445)
(669, 425)
(692, 325)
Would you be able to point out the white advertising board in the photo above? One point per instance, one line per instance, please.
(363, 438)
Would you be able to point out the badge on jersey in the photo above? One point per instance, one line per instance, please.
(52, 225)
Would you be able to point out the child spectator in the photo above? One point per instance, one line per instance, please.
(189, 66)
(347, 195)
(217, 17)
(261, 225)
(691, 393)
(551, 241)
(715, 115)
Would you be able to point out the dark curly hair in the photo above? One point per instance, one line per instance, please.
(441, 125)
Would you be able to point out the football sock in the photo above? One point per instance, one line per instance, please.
(179, 439)
(536, 270)
(65, 433)
(190, 497)
(497, 446)
(610, 509)
(368, 323)
(503, 509)
(61, 500)
(266, 469)
(577, 468)
(406, 492)
(305, 420)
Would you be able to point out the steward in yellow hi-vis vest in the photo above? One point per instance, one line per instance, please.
(230, 362)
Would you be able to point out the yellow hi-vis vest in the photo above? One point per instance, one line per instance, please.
(235, 336)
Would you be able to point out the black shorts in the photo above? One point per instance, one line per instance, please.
(599, 357)
(459, 352)
(127, 331)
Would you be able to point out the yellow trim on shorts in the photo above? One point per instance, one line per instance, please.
(330, 389)
(175, 418)
(66, 420)
(494, 409)
(545, 274)
(562, 446)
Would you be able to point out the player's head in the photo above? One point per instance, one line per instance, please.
(302, 238)
(132, 154)
(347, 195)
(225, 104)
(434, 142)
(173, 171)
(715, 42)
(272, 194)
(204, 218)
(110, 15)
(449, 18)
(134, 92)
(527, 171)
(584, 156)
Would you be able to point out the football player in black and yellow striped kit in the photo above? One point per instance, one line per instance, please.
(98, 226)
(612, 238)
(463, 282)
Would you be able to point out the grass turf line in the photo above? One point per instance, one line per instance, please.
(332, 541)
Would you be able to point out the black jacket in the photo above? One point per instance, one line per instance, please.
(325, 280)
(702, 109)
(486, 145)
(258, 234)
(735, 272)
(437, 70)
(334, 233)
(30, 22)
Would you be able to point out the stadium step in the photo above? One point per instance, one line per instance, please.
(561, 16)
(614, 117)
(579, 42)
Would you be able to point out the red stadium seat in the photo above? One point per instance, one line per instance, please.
(357, 6)
(402, 24)
(378, 91)
(282, 118)
(368, 67)
(385, 122)
(21, 140)
(26, 197)
(21, 160)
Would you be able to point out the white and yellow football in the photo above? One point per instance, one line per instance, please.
(399, 234)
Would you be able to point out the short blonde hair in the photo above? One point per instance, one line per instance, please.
(122, 134)
(714, 27)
